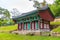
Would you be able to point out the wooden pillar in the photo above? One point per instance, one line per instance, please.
(18, 26)
(49, 24)
(31, 25)
(46, 25)
(26, 26)
(34, 25)
(42, 24)
(39, 24)
(22, 26)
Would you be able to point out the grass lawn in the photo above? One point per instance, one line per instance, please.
(56, 29)
(55, 23)
(8, 36)
(8, 28)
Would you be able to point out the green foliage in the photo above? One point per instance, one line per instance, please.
(4, 22)
(11, 21)
(54, 23)
(57, 2)
(56, 8)
(5, 19)
(8, 28)
(5, 12)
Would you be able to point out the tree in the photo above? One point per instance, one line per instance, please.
(15, 12)
(56, 8)
(57, 2)
(5, 17)
(5, 12)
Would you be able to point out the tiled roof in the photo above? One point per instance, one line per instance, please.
(25, 14)
(31, 12)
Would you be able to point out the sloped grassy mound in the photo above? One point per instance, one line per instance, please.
(8, 28)
(55, 23)
(56, 29)
(8, 36)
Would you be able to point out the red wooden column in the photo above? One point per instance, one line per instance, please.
(18, 26)
(26, 26)
(39, 24)
(22, 26)
(42, 25)
(49, 24)
(31, 25)
(34, 25)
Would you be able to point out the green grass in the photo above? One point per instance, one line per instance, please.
(8, 36)
(56, 29)
(8, 28)
(55, 23)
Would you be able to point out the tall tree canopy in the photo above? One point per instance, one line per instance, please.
(5, 17)
(56, 8)
(5, 12)
(57, 2)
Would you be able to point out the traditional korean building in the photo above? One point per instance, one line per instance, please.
(36, 20)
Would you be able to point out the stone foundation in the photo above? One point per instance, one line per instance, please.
(55, 34)
(36, 32)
